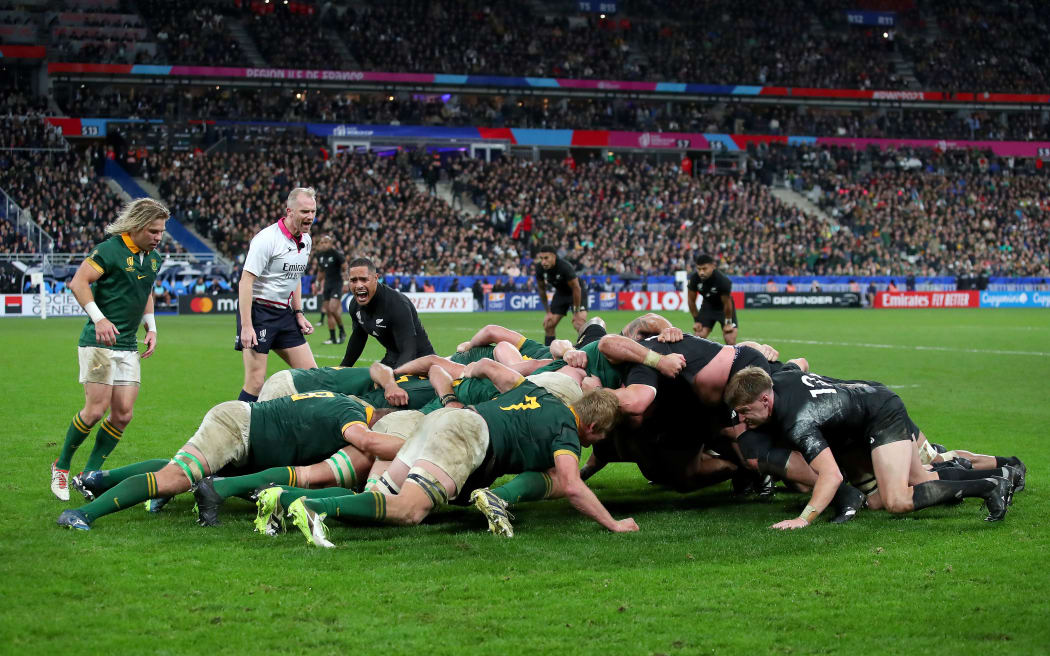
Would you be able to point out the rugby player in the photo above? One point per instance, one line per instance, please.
(717, 305)
(831, 421)
(270, 311)
(384, 313)
(301, 429)
(114, 286)
(331, 265)
(569, 294)
(456, 451)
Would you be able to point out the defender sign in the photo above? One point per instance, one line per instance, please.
(789, 300)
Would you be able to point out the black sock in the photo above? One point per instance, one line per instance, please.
(956, 474)
(548, 340)
(331, 331)
(932, 493)
(245, 396)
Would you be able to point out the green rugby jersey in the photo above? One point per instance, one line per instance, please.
(528, 427)
(344, 380)
(123, 290)
(301, 429)
(598, 365)
(534, 350)
(420, 392)
(468, 391)
(473, 354)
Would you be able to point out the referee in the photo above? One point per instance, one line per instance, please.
(569, 295)
(717, 305)
(270, 304)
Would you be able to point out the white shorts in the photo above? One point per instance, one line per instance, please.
(277, 386)
(560, 385)
(402, 423)
(223, 435)
(454, 439)
(108, 366)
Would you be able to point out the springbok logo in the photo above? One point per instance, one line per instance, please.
(529, 404)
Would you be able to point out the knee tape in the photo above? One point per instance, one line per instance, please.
(186, 461)
(430, 484)
(343, 470)
(387, 485)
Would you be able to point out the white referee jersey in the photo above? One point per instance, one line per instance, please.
(277, 262)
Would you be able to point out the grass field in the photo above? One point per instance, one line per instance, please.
(704, 575)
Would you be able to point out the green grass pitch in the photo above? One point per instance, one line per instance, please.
(704, 575)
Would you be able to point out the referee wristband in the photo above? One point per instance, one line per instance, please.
(297, 311)
(93, 312)
(151, 322)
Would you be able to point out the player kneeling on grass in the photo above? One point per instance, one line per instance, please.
(860, 420)
(301, 429)
(456, 451)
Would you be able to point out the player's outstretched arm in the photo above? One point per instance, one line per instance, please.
(380, 446)
(502, 376)
(441, 381)
(354, 346)
(383, 376)
(105, 332)
(618, 348)
(492, 334)
(828, 480)
(420, 366)
(568, 481)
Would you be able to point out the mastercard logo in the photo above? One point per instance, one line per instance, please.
(202, 304)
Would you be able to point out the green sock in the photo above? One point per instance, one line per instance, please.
(132, 491)
(106, 439)
(229, 487)
(527, 486)
(113, 477)
(367, 506)
(75, 436)
(290, 493)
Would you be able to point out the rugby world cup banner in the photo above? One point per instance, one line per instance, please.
(522, 301)
(31, 305)
(757, 300)
(1026, 298)
(913, 300)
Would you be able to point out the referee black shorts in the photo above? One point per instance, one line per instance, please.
(275, 328)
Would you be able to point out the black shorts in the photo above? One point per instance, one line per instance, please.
(747, 356)
(333, 290)
(561, 303)
(708, 318)
(891, 423)
(591, 333)
(275, 328)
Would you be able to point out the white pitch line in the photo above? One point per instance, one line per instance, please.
(949, 349)
(902, 386)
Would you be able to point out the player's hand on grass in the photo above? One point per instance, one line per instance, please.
(626, 526)
(304, 324)
(464, 347)
(248, 338)
(106, 333)
(697, 327)
(575, 358)
(670, 335)
(151, 344)
(395, 396)
(671, 364)
(790, 524)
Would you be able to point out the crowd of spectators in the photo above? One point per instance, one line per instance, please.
(289, 39)
(192, 33)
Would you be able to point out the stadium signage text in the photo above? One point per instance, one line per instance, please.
(227, 304)
(523, 301)
(1025, 298)
(437, 301)
(786, 299)
(910, 300)
(29, 305)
